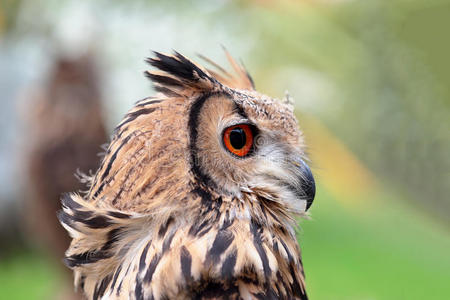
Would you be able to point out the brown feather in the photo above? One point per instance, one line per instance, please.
(172, 215)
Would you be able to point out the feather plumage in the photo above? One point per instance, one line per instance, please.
(171, 215)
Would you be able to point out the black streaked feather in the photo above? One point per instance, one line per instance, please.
(100, 290)
(178, 66)
(228, 265)
(118, 215)
(186, 263)
(116, 275)
(151, 101)
(257, 242)
(143, 257)
(68, 202)
(135, 114)
(138, 289)
(167, 242)
(221, 243)
(151, 268)
(163, 229)
(166, 91)
(112, 159)
(163, 80)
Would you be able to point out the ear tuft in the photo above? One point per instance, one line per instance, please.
(240, 79)
(178, 76)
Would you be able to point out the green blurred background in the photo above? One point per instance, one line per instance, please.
(370, 81)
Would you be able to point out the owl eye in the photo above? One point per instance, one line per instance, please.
(238, 139)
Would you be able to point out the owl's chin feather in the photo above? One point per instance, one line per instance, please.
(288, 182)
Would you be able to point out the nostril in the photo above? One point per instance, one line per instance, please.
(308, 184)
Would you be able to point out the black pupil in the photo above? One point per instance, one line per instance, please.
(237, 138)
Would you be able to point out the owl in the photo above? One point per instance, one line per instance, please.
(197, 194)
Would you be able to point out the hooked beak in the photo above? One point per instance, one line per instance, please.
(307, 187)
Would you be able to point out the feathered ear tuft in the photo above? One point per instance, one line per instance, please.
(241, 78)
(178, 76)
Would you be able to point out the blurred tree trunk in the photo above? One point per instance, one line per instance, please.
(66, 130)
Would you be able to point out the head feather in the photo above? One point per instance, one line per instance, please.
(178, 76)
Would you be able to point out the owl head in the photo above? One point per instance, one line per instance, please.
(209, 170)
(241, 142)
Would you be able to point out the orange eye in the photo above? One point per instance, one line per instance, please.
(238, 139)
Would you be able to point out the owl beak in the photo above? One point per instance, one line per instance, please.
(307, 188)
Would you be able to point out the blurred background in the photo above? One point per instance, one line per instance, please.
(370, 80)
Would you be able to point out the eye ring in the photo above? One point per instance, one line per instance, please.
(238, 139)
